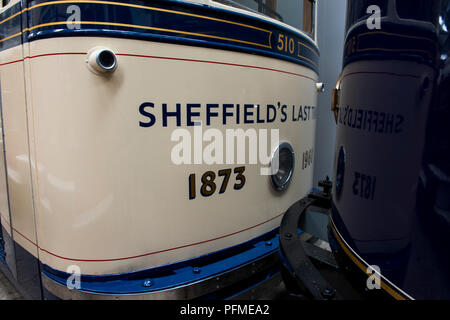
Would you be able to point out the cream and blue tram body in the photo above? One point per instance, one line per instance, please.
(93, 204)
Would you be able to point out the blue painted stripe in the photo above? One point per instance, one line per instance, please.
(392, 42)
(175, 274)
(168, 21)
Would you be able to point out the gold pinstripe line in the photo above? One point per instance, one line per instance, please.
(150, 8)
(145, 27)
(356, 261)
(395, 34)
(10, 37)
(307, 59)
(313, 51)
(146, 8)
(12, 17)
(391, 50)
(150, 28)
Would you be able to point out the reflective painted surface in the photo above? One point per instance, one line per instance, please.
(391, 194)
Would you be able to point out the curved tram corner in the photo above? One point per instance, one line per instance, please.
(104, 193)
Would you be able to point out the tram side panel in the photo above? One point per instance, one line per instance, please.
(92, 184)
(394, 124)
(8, 252)
(108, 188)
(18, 222)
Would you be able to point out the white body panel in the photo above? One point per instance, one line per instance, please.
(107, 196)
(16, 137)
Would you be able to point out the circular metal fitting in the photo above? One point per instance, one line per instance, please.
(101, 60)
(282, 165)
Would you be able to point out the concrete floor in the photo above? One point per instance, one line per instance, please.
(274, 289)
(7, 290)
